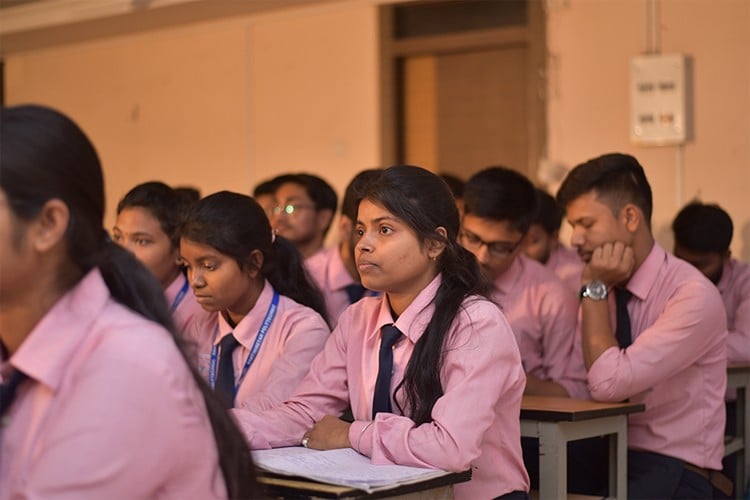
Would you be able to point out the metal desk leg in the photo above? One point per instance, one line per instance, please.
(618, 462)
(742, 428)
(553, 457)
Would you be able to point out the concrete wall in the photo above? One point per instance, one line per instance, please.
(591, 43)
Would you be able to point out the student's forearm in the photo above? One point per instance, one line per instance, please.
(597, 335)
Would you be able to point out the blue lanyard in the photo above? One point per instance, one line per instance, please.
(180, 296)
(270, 314)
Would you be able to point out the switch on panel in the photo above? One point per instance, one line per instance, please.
(659, 93)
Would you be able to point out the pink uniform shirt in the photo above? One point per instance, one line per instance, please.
(295, 336)
(475, 423)
(543, 315)
(676, 365)
(734, 287)
(567, 265)
(110, 410)
(183, 306)
(328, 272)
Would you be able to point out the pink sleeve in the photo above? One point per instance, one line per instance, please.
(676, 340)
(305, 336)
(738, 338)
(322, 392)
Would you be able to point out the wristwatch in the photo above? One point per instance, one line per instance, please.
(594, 290)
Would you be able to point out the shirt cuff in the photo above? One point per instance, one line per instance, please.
(360, 437)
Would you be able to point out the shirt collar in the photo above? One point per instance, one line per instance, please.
(248, 327)
(53, 343)
(413, 321)
(645, 277)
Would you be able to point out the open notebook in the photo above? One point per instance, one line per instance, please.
(344, 467)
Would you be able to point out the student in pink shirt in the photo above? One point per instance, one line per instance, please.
(97, 399)
(653, 331)
(702, 235)
(430, 369)
(334, 269)
(304, 212)
(267, 320)
(543, 243)
(499, 205)
(148, 224)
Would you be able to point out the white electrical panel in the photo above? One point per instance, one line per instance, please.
(659, 93)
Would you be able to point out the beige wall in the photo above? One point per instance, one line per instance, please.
(219, 105)
(224, 104)
(591, 43)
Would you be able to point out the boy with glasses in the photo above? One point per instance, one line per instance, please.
(304, 211)
(499, 205)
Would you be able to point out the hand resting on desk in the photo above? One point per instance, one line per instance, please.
(330, 433)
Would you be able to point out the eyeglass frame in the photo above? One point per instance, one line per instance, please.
(291, 208)
(474, 242)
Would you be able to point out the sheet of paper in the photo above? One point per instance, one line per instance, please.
(343, 467)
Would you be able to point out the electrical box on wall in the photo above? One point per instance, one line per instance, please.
(659, 99)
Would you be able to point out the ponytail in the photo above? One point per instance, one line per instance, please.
(131, 284)
(45, 155)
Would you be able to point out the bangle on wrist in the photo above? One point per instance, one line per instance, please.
(362, 433)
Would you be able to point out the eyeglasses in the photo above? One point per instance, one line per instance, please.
(290, 208)
(497, 249)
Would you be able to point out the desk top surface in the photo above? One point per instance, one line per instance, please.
(738, 368)
(554, 409)
(287, 485)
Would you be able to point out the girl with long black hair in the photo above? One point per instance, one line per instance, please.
(97, 399)
(431, 369)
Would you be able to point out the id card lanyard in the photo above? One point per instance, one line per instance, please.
(264, 326)
(180, 296)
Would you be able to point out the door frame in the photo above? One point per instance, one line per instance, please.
(532, 36)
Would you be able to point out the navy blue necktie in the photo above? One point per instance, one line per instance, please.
(622, 330)
(381, 399)
(355, 292)
(8, 389)
(224, 387)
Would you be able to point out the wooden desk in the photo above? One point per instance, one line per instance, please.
(738, 377)
(555, 421)
(439, 488)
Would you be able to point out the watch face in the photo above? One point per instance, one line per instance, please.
(596, 290)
